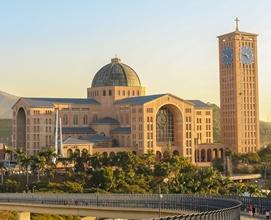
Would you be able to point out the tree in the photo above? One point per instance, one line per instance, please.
(24, 162)
(38, 164)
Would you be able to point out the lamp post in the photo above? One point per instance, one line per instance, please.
(27, 178)
(161, 195)
(160, 198)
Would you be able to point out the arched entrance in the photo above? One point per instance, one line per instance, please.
(202, 155)
(69, 153)
(169, 128)
(21, 130)
(158, 155)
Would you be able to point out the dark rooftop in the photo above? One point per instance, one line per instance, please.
(139, 100)
(49, 102)
(78, 130)
(97, 138)
(199, 104)
(106, 120)
(71, 140)
(121, 130)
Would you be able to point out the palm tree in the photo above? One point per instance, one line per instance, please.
(3, 170)
(38, 164)
(24, 162)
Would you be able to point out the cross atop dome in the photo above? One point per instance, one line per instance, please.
(116, 59)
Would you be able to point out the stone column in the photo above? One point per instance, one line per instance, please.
(213, 153)
(219, 153)
(23, 215)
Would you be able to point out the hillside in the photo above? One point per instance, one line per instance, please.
(6, 102)
(265, 132)
(5, 131)
(265, 127)
(216, 122)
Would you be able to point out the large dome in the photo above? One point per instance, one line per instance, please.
(116, 74)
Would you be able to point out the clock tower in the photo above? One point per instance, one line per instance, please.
(239, 101)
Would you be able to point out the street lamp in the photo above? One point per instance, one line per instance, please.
(160, 198)
(161, 195)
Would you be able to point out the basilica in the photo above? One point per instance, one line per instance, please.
(116, 116)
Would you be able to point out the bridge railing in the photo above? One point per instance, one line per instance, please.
(203, 207)
(261, 204)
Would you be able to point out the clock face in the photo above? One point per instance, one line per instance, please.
(161, 119)
(247, 55)
(227, 55)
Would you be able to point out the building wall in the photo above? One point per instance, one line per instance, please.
(239, 95)
(204, 125)
(40, 123)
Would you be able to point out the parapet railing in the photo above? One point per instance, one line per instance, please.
(202, 207)
(261, 204)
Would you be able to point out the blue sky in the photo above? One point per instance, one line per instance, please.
(54, 48)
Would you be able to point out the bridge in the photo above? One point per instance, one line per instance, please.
(125, 206)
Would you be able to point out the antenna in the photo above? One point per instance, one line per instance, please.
(56, 133)
(61, 139)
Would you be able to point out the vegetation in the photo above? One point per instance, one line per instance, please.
(5, 131)
(8, 215)
(216, 122)
(250, 163)
(265, 132)
(123, 172)
(265, 127)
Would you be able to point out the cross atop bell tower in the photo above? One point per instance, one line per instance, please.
(239, 103)
(237, 24)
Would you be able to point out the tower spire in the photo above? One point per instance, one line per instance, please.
(237, 24)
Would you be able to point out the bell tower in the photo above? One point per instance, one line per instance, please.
(238, 68)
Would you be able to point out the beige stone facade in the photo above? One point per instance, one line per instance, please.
(116, 116)
(239, 91)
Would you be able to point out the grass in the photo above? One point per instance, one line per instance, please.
(9, 215)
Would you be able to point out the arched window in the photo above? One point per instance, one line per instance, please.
(104, 92)
(84, 151)
(77, 152)
(75, 119)
(110, 92)
(164, 125)
(85, 120)
(69, 152)
(65, 119)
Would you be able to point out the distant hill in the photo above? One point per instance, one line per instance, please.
(6, 102)
(265, 127)
(216, 122)
(265, 132)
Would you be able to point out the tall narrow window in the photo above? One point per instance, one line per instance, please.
(85, 120)
(94, 118)
(65, 119)
(75, 119)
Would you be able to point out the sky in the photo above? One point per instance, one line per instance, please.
(54, 48)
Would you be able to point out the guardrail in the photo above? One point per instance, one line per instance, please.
(202, 207)
(261, 204)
